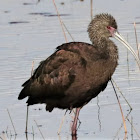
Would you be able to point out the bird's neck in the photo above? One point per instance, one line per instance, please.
(106, 46)
(99, 42)
(112, 50)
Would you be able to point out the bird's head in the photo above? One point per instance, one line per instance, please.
(104, 26)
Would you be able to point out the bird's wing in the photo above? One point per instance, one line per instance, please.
(53, 76)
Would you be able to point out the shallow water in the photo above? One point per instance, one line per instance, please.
(30, 32)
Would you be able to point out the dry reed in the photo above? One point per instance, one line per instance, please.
(12, 122)
(134, 128)
(60, 21)
(91, 8)
(125, 137)
(39, 130)
(136, 40)
(127, 59)
(61, 124)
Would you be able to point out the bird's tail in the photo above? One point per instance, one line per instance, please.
(24, 93)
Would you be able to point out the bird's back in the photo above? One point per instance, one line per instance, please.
(70, 77)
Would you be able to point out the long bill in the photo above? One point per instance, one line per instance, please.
(125, 43)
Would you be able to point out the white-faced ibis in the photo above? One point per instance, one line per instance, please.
(77, 71)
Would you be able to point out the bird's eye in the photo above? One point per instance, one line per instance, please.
(108, 27)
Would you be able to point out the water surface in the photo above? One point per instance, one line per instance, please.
(31, 32)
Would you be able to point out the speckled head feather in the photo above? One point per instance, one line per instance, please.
(97, 28)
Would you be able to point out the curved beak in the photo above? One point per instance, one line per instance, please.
(125, 43)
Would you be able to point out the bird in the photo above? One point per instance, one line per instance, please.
(77, 71)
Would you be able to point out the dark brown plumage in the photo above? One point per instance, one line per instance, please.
(77, 71)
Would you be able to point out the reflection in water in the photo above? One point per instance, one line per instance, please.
(18, 22)
(15, 137)
(26, 135)
(131, 128)
(99, 113)
(6, 135)
(7, 132)
(33, 132)
(25, 3)
(73, 137)
(46, 14)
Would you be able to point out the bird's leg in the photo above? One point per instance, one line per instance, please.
(74, 125)
(77, 118)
